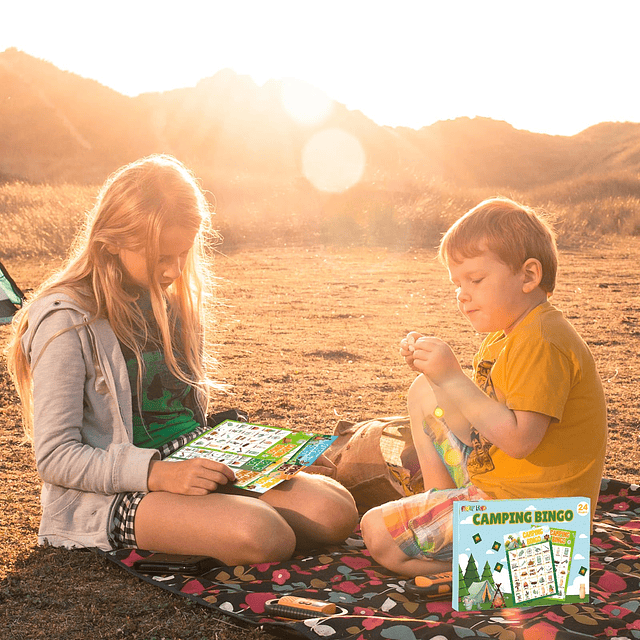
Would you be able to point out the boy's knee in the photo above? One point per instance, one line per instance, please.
(420, 397)
(375, 535)
(364, 526)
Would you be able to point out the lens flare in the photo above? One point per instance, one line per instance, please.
(304, 103)
(333, 160)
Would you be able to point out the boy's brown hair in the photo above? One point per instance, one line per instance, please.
(511, 230)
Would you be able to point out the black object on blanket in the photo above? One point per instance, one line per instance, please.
(372, 603)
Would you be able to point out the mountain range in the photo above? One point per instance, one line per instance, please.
(58, 126)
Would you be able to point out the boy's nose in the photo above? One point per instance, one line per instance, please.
(461, 295)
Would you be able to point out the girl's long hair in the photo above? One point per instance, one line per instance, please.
(134, 206)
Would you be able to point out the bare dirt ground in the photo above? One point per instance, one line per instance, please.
(307, 336)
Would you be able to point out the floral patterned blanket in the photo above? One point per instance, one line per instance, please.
(372, 603)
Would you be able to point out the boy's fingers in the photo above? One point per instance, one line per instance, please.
(425, 343)
(407, 355)
(407, 346)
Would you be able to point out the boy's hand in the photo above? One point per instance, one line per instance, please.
(407, 348)
(195, 477)
(435, 359)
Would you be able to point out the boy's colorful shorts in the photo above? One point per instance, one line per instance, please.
(422, 525)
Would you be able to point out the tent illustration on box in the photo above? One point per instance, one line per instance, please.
(11, 298)
(475, 591)
(481, 593)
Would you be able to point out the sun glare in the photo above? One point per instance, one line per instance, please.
(333, 160)
(304, 103)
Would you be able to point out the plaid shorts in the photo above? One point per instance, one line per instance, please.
(124, 506)
(422, 524)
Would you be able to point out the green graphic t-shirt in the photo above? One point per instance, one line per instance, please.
(163, 411)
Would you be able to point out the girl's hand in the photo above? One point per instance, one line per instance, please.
(435, 359)
(195, 477)
(407, 348)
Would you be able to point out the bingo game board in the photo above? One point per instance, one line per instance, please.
(261, 456)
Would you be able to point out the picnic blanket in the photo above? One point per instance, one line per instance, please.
(373, 603)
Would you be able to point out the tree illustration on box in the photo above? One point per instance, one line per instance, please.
(486, 573)
(462, 585)
(471, 572)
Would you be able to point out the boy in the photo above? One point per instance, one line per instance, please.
(531, 423)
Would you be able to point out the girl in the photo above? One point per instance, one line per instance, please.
(109, 363)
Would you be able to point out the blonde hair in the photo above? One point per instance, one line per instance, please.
(134, 206)
(511, 230)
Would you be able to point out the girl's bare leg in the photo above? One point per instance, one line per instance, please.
(306, 511)
(234, 529)
(318, 509)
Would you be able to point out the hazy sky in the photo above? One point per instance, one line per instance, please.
(548, 66)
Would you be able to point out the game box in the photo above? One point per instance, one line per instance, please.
(520, 553)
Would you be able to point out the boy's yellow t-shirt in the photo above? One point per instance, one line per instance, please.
(543, 365)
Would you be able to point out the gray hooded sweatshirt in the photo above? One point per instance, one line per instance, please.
(83, 434)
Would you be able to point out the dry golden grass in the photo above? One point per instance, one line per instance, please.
(41, 219)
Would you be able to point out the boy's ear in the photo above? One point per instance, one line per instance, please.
(112, 249)
(532, 272)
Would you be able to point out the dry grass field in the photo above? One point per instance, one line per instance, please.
(306, 336)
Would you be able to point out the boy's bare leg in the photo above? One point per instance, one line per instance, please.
(429, 396)
(421, 402)
(318, 509)
(386, 552)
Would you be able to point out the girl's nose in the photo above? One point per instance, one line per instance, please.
(173, 269)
